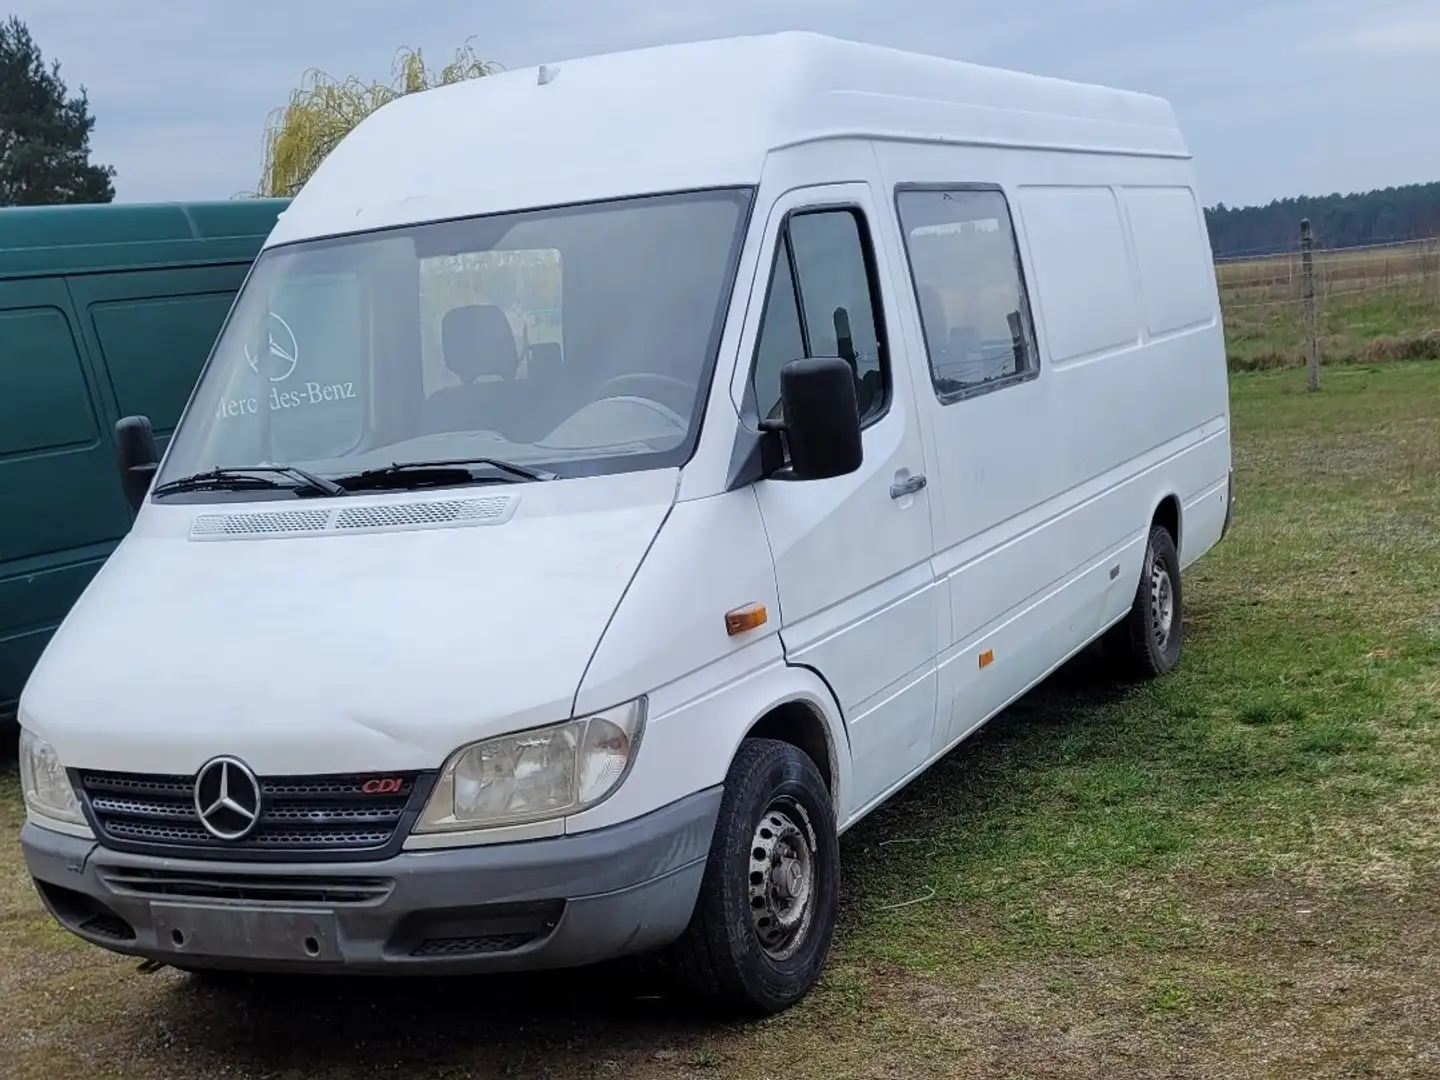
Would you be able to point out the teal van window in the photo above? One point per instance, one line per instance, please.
(44, 402)
(152, 349)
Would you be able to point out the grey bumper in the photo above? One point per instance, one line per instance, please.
(561, 902)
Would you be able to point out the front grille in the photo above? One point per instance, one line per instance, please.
(249, 888)
(300, 816)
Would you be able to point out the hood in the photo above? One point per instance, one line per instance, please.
(361, 634)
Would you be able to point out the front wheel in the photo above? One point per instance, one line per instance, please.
(763, 923)
(1149, 638)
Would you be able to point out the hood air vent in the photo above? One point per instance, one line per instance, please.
(349, 520)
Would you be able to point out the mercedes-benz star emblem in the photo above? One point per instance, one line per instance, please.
(227, 798)
(282, 349)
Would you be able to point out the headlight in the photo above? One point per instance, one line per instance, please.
(532, 775)
(47, 788)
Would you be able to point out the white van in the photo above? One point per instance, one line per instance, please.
(615, 480)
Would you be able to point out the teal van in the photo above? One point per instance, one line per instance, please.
(105, 311)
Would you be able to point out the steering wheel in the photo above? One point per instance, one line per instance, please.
(675, 394)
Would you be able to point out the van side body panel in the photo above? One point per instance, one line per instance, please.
(1046, 487)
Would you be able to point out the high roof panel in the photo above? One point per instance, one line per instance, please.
(700, 114)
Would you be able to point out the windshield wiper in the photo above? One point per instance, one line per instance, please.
(237, 479)
(426, 473)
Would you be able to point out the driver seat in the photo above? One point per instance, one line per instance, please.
(480, 350)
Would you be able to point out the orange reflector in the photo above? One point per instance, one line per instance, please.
(745, 618)
(987, 657)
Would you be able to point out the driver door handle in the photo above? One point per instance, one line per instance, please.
(909, 486)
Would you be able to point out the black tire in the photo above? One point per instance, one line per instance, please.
(772, 787)
(1146, 644)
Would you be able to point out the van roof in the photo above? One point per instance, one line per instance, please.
(70, 239)
(677, 117)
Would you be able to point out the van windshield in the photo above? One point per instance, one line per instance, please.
(574, 341)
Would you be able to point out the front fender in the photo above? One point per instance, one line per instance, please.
(691, 739)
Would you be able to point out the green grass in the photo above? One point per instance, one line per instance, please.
(1234, 871)
(1373, 306)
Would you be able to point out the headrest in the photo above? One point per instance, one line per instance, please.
(477, 340)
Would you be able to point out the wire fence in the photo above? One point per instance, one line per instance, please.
(1377, 302)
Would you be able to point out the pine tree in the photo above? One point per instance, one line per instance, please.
(44, 131)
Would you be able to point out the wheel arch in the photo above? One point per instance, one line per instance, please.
(809, 719)
(1168, 515)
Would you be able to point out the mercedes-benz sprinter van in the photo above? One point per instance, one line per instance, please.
(614, 480)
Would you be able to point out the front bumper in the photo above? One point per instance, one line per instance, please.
(560, 902)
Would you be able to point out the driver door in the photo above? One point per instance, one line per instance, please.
(858, 599)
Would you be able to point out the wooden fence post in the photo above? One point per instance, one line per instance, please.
(1307, 293)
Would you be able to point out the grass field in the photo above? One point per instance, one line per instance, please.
(1231, 873)
(1374, 304)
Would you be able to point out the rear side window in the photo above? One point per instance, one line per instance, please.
(822, 301)
(44, 402)
(974, 309)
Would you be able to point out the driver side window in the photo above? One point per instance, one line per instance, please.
(822, 301)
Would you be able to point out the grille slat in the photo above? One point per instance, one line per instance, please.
(138, 786)
(250, 888)
(152, 810)
(324, 815)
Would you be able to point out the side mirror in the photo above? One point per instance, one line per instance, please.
(822, 418)
(135, 451)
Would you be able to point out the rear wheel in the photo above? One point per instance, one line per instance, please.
(1148, 640)
(765, 917)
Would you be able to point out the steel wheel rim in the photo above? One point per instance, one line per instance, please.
(782, 879)
(1162, 605)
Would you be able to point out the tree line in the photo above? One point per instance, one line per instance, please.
(1383, 216)
(45, 152)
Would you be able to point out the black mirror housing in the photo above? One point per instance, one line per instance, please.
(822, 418)
(136, 453)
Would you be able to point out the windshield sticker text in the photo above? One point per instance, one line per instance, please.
(313, 393)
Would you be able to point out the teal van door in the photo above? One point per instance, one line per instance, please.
(55, 454)
(150, 331)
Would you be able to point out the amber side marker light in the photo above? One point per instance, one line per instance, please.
(987, 658)
(745, 618)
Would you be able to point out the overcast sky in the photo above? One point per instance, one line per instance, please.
(1277, 97)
